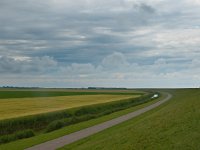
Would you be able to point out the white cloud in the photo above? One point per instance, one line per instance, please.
(25, 65)
(178, 37)
(192, 2)
(115, 61)
(79, 69)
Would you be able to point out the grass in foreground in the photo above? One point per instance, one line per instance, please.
(174, 125)
(12, 108)
(25, 143)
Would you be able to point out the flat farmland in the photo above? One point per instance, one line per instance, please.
(17, 107)
(26, 113)
(29, 93)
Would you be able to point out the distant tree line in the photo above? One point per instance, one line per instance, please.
(107, 88)
(18, 87)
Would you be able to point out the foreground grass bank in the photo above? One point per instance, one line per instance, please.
(174, 125)
(25, 143)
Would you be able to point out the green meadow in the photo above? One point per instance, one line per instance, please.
(43, 137)
(174, 125)
(23, 117)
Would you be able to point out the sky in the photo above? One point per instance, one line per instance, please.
(106, 43)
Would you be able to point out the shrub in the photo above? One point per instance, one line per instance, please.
(55, 125)
(18, 135)
(67, 121)
(7, 138)
(24, 134)
(35, 122)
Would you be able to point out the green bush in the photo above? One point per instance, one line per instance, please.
(35, 122)
(7, 138)
(18, 135)
(77, 119)
(67, 121)
(24, 134)
(55, 125)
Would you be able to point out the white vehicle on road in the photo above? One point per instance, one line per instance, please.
(155, 96)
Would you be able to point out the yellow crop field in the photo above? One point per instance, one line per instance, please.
(16, 107)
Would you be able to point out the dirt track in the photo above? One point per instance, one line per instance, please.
(70, 138)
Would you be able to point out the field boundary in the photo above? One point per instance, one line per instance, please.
(70, 138)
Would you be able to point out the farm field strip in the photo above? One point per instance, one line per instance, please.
(16, 107)
(18, 93)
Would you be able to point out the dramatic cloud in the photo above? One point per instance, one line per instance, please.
(124, 43)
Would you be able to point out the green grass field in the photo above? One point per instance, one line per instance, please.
(29, 115)
(25, 143)
(174, 125)
(16, 107)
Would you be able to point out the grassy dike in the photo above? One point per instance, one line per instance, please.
(25, 143)
(175, 125)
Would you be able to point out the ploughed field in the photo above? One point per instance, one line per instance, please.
(15, 107)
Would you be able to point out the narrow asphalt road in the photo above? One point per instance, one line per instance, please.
(70, 138)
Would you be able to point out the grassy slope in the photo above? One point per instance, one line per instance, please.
(10, 108)
(174, 125)
(25, 143)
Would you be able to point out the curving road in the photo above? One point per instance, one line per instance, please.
(70, 138)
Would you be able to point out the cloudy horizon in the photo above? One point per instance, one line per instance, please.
(107, 43)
